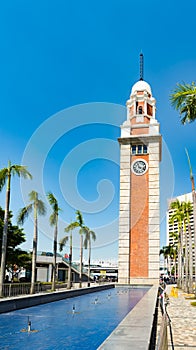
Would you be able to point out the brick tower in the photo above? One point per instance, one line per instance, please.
(139, 217)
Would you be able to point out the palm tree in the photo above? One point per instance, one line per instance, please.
(164, 252)
(178, 216)
(87, 243)
(38, 208)
(183, 99)
(186, 255)
(62, 243)
(194, 203)
(54, 222)
(167, 252)
(79, 223)
(5, 176)
(188, 207)
(173, 255)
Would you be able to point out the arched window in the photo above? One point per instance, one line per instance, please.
(140, 110)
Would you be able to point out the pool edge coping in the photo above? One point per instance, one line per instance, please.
(134, 331)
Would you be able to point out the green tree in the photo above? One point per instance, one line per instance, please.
(18, 257)
(178, 216)
(89, 234)
(70, 228)
(54, 222)
(38, 208)
(80, 221)
(183, 99)
(5, 176)
(16, 236)
(167, 251)
(173, 256)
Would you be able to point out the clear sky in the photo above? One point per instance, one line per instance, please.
(66, 71)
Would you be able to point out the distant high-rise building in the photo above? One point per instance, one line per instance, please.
(172, 228)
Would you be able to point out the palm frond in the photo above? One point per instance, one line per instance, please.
(53, 219)
(51, 199)
(88, 235)
(53, 202)
(41, 207)
(189, 163)
(176, 218)
(174, 235)
(33, 196)
(93, 235)
(176, 204)
(183, 99)
(21, 171)
(24, 213)
(63, 242)
(187, 208)
(3, 177)
(79, 218)
(85, 243)
(71, 226)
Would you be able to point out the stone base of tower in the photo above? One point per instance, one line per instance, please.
(139, 281)
(144, 281)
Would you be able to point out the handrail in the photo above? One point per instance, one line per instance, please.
(162, 343)
(16, 289)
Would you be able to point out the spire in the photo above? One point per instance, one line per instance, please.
(141, 66)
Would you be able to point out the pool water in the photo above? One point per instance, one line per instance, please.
(82, 322)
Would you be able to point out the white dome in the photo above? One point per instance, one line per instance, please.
(141, 85)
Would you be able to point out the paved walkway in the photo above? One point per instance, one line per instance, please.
(183, 321)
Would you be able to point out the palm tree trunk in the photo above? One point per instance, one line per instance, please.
(180, 260)
(169, 265)
(34, 256)
(190, 260)
(89, 260)
(4, 238)
(182, 268)
(81, 260)
(54, 261)
(175, 272)
(186, 264)
(194, 227)
(70, 262)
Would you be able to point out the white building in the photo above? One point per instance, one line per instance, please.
(173, 227)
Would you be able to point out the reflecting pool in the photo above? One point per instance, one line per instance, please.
(82, 322)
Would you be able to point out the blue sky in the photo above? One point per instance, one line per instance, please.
(58, 59)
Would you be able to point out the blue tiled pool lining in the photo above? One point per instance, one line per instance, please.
(82, 322)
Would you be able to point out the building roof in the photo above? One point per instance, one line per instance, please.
(141, 85)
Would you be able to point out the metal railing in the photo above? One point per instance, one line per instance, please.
(15, 289)
(163, 335)
(163, 339)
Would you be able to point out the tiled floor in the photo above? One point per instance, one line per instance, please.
(183, 321)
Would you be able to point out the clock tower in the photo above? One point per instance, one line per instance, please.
(139, 217)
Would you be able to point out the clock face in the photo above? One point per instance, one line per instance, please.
(139, 166)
